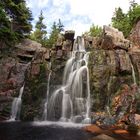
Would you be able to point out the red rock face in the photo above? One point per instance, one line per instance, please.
(135, 35)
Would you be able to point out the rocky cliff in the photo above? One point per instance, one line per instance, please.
(114, 67)
(31, 65)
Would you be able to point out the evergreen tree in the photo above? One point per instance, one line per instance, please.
(15, 20)
(5, 30)
(121, 21)
(53, 35)
(125, 22)
(55, 30)
(40, 32)
(134, 12)
(94, 31)
(20, 17)
(60, 26)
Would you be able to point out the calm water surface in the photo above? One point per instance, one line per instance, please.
(41, 131)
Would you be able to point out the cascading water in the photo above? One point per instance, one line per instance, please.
(71, 102)
(133, 71)
(133, 74)
(47, 96)
(16, 106)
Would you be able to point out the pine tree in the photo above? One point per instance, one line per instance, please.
(53, 35)
(40, 32)
(60, 26)
(125, 22)
(95, 31)
(55, 30)
(134, 12)
(121, 21)
(20, 17)
(15, 22)
(6, 36)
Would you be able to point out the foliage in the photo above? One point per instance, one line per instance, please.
(15, 22)
(39, 34)
(94, 31)
(55, 30)
(125, 22)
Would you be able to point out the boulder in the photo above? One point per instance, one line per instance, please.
(67, 45)
(60, 40)
(27, 49)
(69, 34)
(135, 35)
(113, 39)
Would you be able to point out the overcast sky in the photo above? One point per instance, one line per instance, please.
(77, 15)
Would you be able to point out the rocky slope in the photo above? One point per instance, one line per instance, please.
(114, 66)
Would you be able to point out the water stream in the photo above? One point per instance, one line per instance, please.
(133, 72)
(16, 106)
(71, 102)
(47, 96)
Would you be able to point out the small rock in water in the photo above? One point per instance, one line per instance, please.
(103, 137)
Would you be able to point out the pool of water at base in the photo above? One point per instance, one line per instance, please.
(42, 131)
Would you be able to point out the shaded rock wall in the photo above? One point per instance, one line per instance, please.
(110, 66)
(11, 79)
(108, 71)
(31, 66)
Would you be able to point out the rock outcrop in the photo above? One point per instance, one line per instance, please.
(11, 79)
(113, 66)
(113, 63)
(113, 39)
(135, 36)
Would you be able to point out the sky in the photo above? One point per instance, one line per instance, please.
(77, 15)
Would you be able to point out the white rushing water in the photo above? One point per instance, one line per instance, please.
(133, 71)
(47, 96)
(71, 102)
(133, 74)
(16, 106)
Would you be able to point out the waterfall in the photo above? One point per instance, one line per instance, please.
(47, 96)
(133, 74)
(45, 113)
(71, 102)
(16, 106)
(133, 71)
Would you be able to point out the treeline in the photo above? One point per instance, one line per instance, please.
(122, 21)
(40, 33)
(16, 18)
(15, 22)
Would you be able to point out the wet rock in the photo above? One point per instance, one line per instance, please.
(93, 129)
